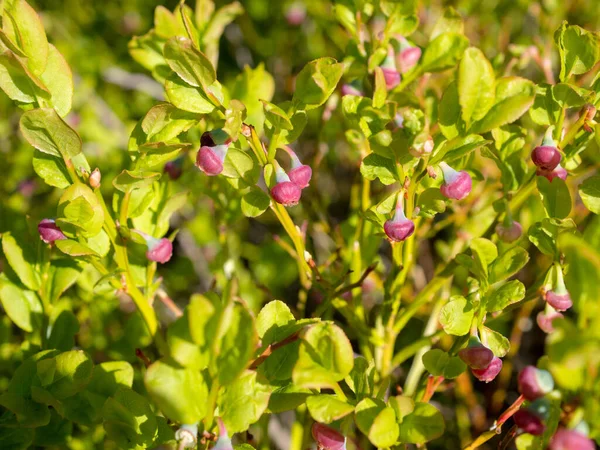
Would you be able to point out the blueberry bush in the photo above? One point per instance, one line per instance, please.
(343, 224)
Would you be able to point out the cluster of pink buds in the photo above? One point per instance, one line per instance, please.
(390, 72)
(158, 250)
(49, 231)
(457, 184)
(328, 438)
(399, 228)
(481, 360)
(547, 158)
(288, 189)
(213, 150)
(408, 56)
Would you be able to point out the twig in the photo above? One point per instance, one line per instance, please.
(169, 303)
(271, 348)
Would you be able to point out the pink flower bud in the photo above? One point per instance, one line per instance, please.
(457, 185)
(210, 159)
(174, 168)
(529, 422)
(509, 233)
(49, 231)
(546, 156)
(421, 149)
(558, 172)
(95, 179)
(300, 174)
(565, 439)
(353, 88)
(328, 438)
(285, 191)
(534, 383)
(545, 320)
(408, 57)
(399, 228)
(559, 298)
(476, 355)
(390, 72)
(159, 250)
(295, 14)
(490, 372)
(224, 441)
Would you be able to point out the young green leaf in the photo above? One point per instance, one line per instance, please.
(476, 85)
(45, 130)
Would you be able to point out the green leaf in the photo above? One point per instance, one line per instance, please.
(271, 317)
(316, 82)
(201, 314)
(253, 86)
(63, 330)
(51, 169)
(589, 191)
(378, 422)
(424, 424)
(235, 115)
(508, 264)
(514, 97)
(276, 117)
(22, 258)
(21, 306)
(182, 347)
(66, 374)
(457, 148)
(189, 63)
(443, 52)
(45, 130)
(362, 378)
(62, 274)
(456, 316)
(255, 202)
(439, 363)
(555, 197)
(243, 402)
(164, 122)
(59, 80)
(450, 121)
(129, 420)
(74, 248)
(375, 166)
(18, 82)
(155, 154)
(476, 82)
(496, 342)
(190, 98)
(173, 204)
(80, 212)
(109, 376)
(23, 27)
(128, 180)
(327, 408)
(179, 392)
(431, 202)
(380, 92)
(325, 357)
(579, 50)
(287, 398)
(450, 21)
(237, 164)
(507, 294)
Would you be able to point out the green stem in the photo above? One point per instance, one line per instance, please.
(573, 130)
(273, 146)
(338, 391)
(297, 432)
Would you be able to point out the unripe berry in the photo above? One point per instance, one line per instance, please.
(509, 233)
(476, 355)
(546, 156)
(328, 438)
(559, 298)
(534, 383)
(457, 185)
(399, 228)
(490, 372)
(300, 174)
(49, 231)
(285, 191)
(565, 439)
(210, 159)
(529, 422)
(390, 72)
(545, 320)
(95, 179)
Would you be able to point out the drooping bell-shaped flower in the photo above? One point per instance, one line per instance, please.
(49, 231)
(390, 72)
(558, 297)
(223, 441)
(457, 184)
(476, 355)
(545, 319)
(353, 88)
(399, 228)
(490, 372)
(159, 250)
(408, 56)
(300, 174)
(174, 169)
(534, 383)
(210, 159)
(546, 156)
(529, 422)
(509, 231)
(565, 439)
(328, 438)
(285, 191)
(558, 172)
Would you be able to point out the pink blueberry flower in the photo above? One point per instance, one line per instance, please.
(49, 231)
(476, 355)
(546, 156)
(328, 438)
(558, 297)
(565, 439)
(399, 228)
(509, 232)
(534, 383)
(159, 250)
(300, 174)
(457, 184)
(285, 191)
(390, 72)
(490, 372)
